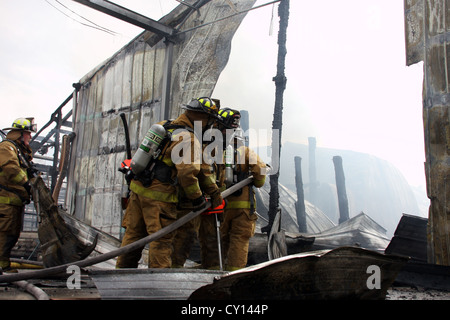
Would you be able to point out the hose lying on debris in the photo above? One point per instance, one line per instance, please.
(25, 264)
(125, 249)
(38, 293)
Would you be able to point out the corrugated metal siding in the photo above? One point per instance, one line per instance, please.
(131, 82)
(151, 284)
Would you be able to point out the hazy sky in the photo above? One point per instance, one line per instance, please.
(347, 81)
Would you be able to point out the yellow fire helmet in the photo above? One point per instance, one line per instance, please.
(229, 118)
(203, 104)
(25, 124)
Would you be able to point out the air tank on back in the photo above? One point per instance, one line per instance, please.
(148, 149)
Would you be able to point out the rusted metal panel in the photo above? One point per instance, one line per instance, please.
(131, 82)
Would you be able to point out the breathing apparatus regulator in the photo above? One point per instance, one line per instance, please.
(149, 148)
(229, 165)
(229, 119)
(230, 174)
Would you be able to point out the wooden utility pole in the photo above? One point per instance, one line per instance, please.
(341, 192)
(300, 204)
(280, 85)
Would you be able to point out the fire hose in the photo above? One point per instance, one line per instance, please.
(125, 249)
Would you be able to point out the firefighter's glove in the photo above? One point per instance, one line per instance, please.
(216, 199)
(218, 209)
(125, 168)
(199, 203)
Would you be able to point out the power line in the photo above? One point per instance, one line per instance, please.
(85, 18)
(94, 26)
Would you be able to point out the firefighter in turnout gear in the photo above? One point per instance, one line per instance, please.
(156, 192)
(239, 217)
(187, 234)
(15, 160)
(210, 246)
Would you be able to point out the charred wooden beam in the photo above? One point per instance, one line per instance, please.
(280, 85)
(427, 41)
(341, 192)
(300, 204)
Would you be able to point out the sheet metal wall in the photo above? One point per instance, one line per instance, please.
(131, 82)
